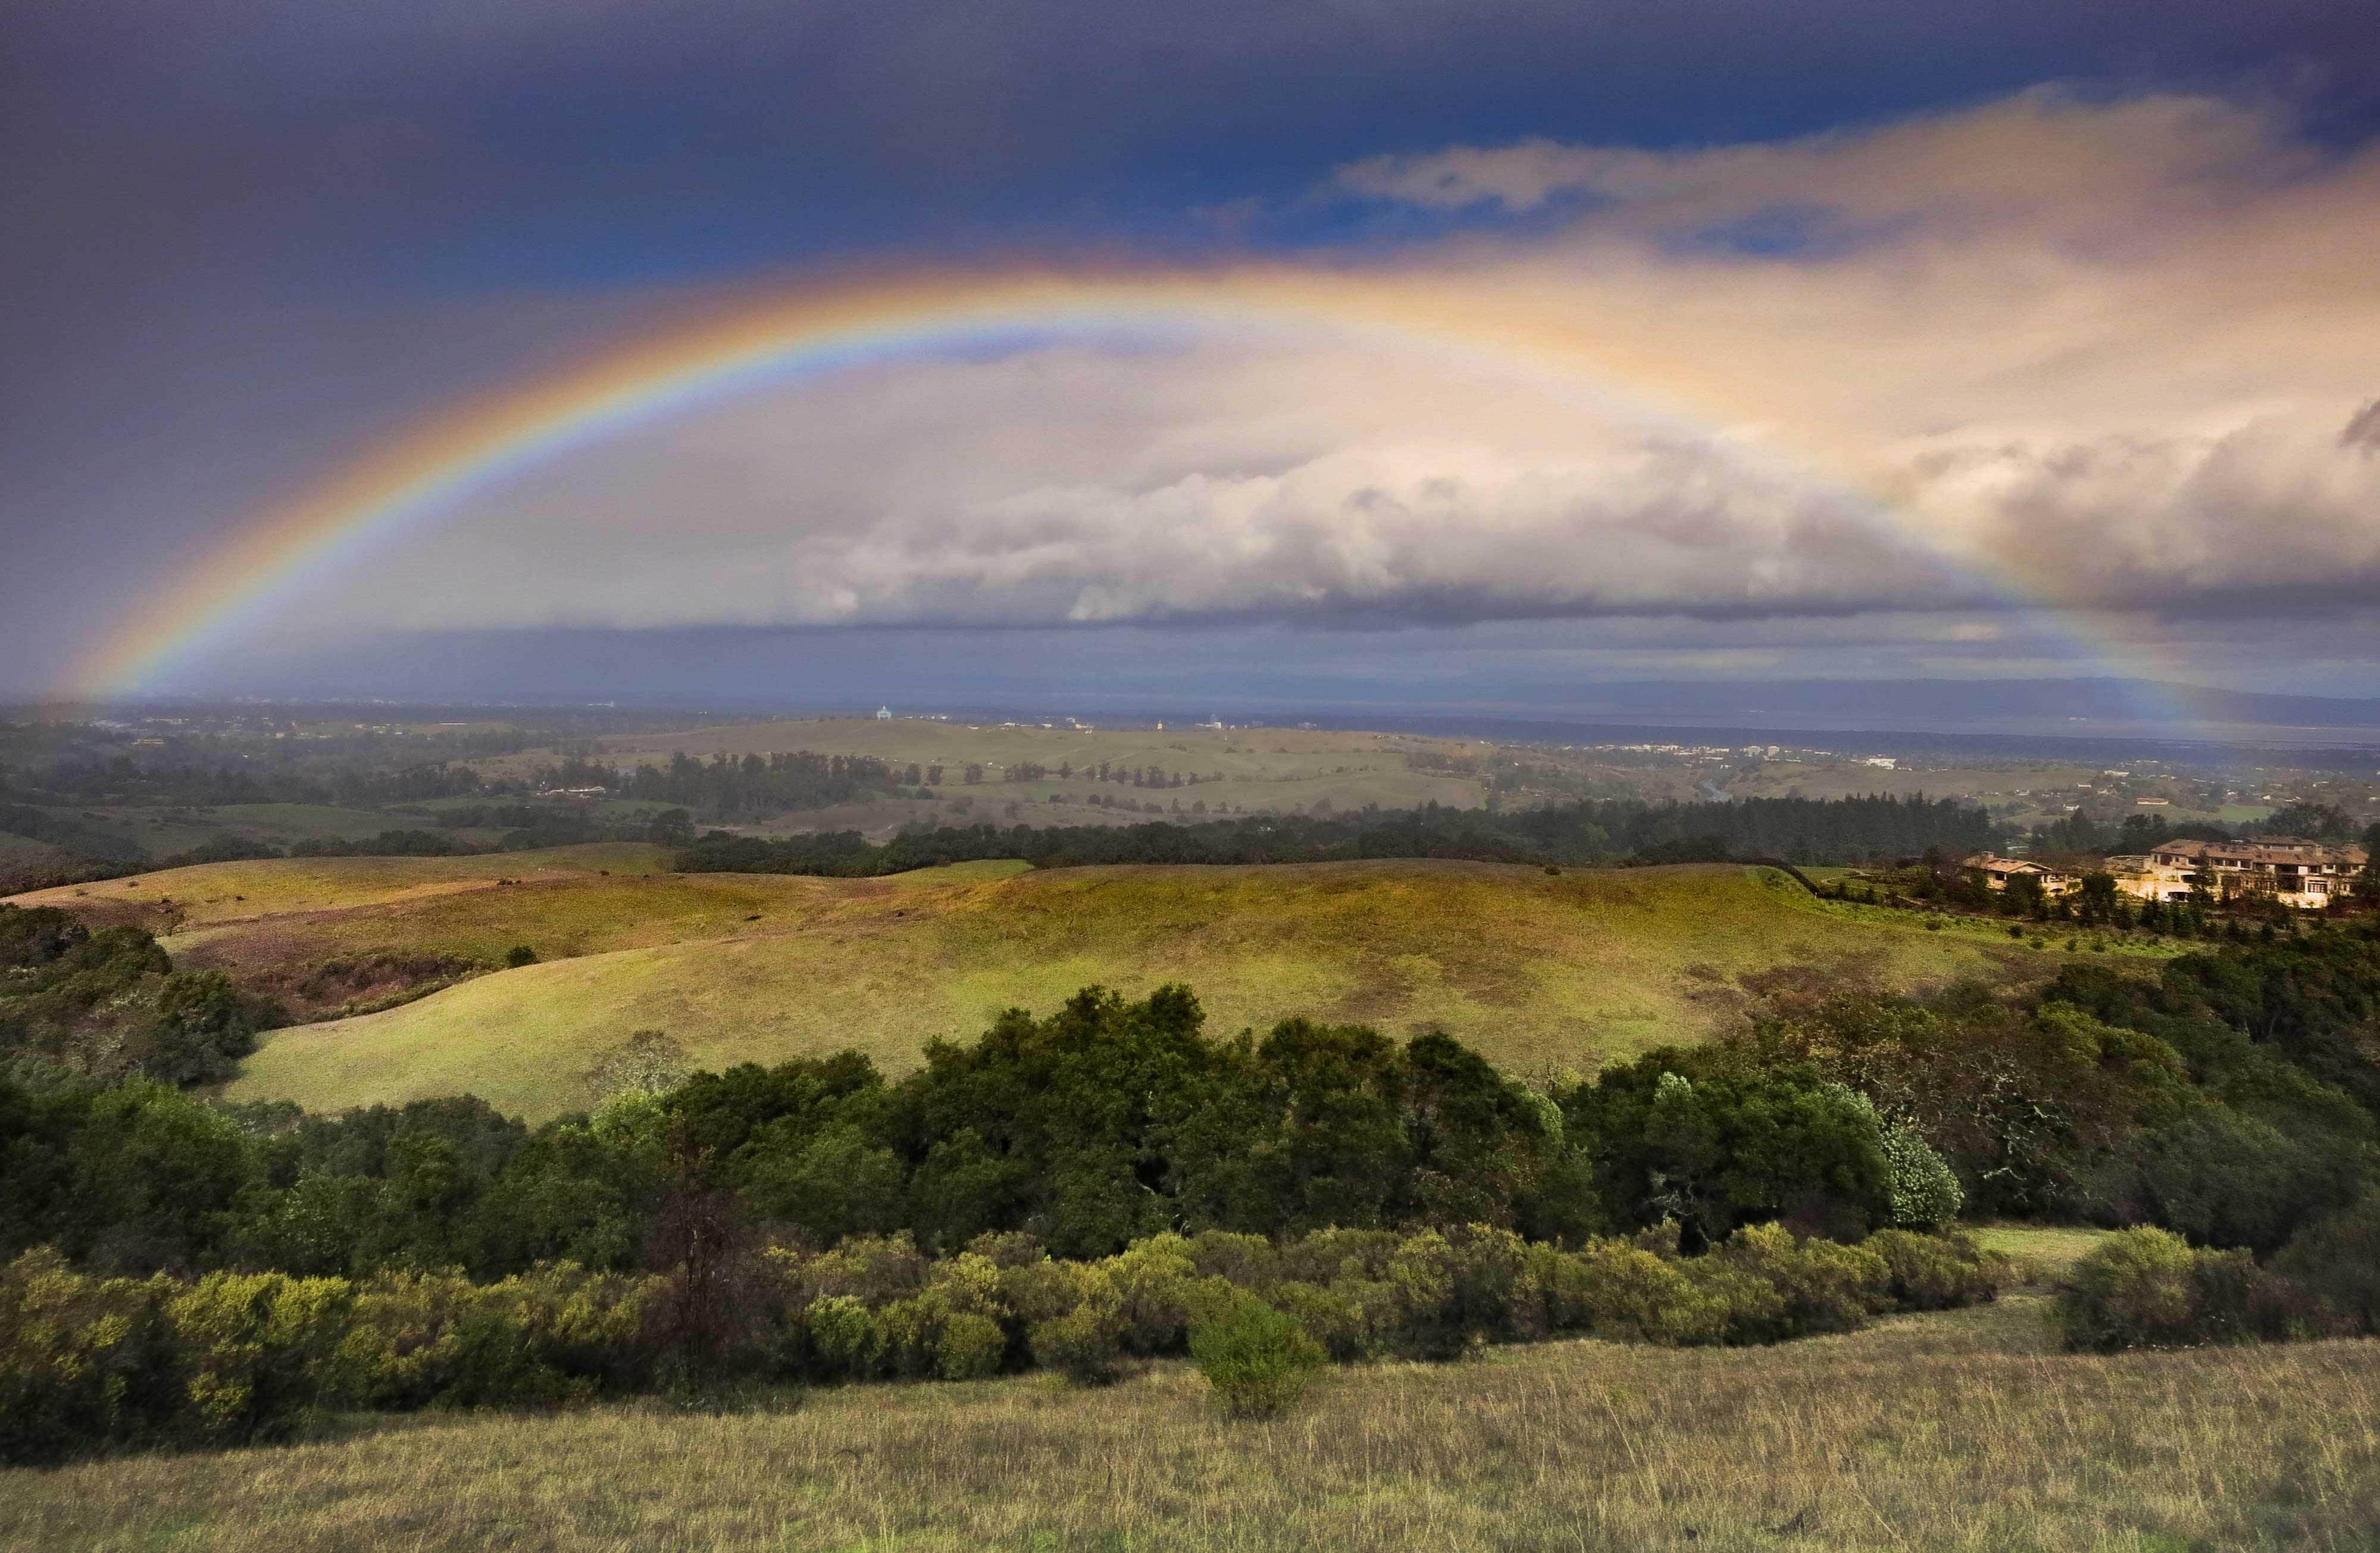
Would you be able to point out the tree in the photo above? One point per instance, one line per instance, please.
(2316, 822)
(1716, 1137)
(2098, 902)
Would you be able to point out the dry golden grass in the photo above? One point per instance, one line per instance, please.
(1944, 1432)
(187, 899)
(1533, 969)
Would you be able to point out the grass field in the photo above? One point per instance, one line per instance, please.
(1958, 1431)
(24, 852)
(1536, 970)
(1276, 769)
(165, 830)
(183, 900)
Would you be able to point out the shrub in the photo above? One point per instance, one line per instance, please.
(1255, 1359)
(257, 1353)
(556, 1336)
(1626, 1294)
(1154, 1281)
(401, 1341)
(2147, 1289)
(1935, 1273)
(970, 1347)
(1331, 1256)
(518, 955)
(845, 1337)
(83, 1362)
(1248, 1261)
(1084, 1345)
(2331, 1271)
(1820, 1286)
(1333, 1318)
(1728, 1305)
(868, 1268)
(1925, 1192)
(1043, 1290)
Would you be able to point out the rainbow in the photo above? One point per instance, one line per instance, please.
(826, 326)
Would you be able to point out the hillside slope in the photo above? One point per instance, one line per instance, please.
(1532, 969)
(179, 902)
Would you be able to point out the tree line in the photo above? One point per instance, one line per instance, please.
(1801, 830)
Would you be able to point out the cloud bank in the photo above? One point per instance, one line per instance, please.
(2117, 355)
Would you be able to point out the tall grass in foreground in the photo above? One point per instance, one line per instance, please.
(1948, 1431)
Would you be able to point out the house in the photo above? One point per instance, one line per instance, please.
(884, 714)
(1997, 872)
(2293, 871)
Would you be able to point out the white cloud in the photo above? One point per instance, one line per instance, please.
(2123, 351)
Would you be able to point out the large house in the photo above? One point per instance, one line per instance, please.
(2294, 872)
(1996, 873)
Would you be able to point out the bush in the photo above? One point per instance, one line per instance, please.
(2148, 1289)
(1084, 1345)
(2331, 1271)
(2132, 1292)
(845, 1337)
(257, 1353)
(83, 1362)
(1154, 1282)
(970, 1347)
(1255, 1359)
(1935, 1272)
(518, 955)
(1333, 1318)
(1820, 1286)
(1924, 1191)
(402, 1342)
(1625, 1294)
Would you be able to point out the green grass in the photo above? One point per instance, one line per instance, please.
(167, 830)
(2042, 1251)
(1954, 1433)
(24, 852)
(1273, 769)
(1536, 970)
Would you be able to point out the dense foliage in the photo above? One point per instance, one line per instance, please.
(83, 1006)
(1075, 1190)
(88, 1361)
(1797, 830)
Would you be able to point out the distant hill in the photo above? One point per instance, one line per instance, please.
(1532, 969)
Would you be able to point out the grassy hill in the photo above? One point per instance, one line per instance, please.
(1950, 1431)
(184, 901)
(1536, 970)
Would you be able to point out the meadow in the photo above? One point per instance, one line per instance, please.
(1276, 769)
(171, 828)
(1537, 971)
(1959, 1430)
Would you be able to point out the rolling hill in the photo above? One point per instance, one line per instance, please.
(1537, 970)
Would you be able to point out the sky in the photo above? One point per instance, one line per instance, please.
(1701, 340)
